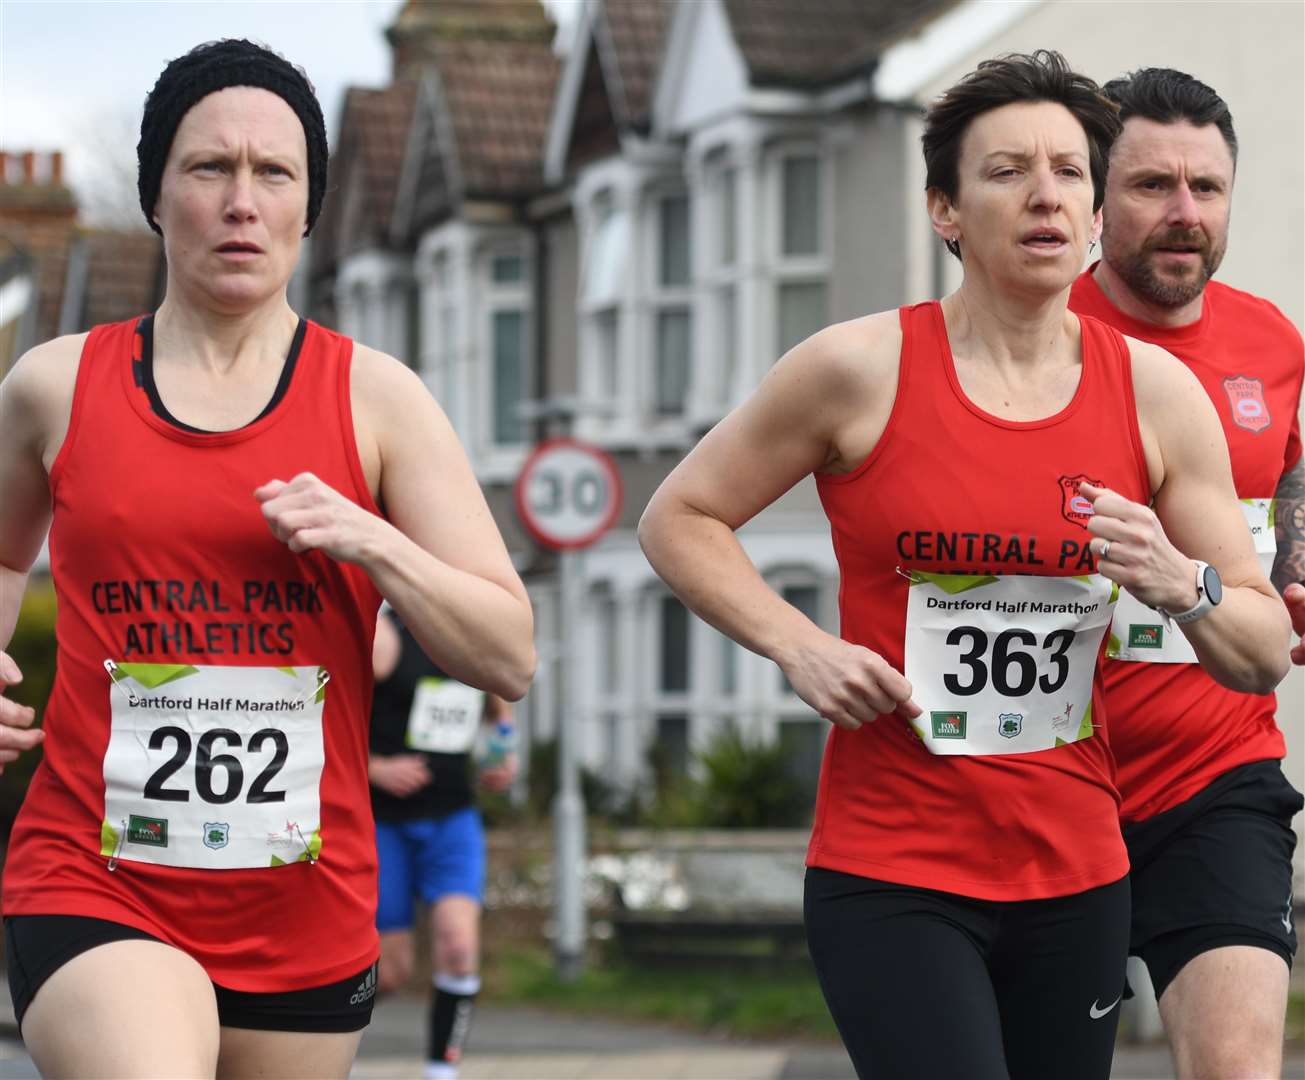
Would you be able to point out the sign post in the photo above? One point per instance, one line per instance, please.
(568, 495)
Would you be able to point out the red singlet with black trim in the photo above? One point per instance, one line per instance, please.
(1173, 728)
(953, 490)
(205, 769)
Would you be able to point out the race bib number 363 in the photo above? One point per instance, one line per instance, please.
(1004, 665)
(213, 767)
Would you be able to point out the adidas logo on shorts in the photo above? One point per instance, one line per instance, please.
(366, 989)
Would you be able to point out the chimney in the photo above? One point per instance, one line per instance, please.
(420, 24)
(37, 194)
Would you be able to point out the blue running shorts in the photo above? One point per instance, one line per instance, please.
(428, 858)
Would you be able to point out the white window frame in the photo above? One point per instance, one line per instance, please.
(774, 701)
(603, 406)
(796, 269)
(720, 365)
(655, 700)
(658, 298)
(515, 296)
(442, 261)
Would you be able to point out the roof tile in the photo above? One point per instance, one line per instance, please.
(817, 42)
(499, 96)
(636, 33)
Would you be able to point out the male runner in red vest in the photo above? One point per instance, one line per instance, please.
(1206, 809)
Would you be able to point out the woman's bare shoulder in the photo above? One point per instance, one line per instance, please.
(38, 391)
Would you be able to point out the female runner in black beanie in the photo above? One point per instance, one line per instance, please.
(190, 887)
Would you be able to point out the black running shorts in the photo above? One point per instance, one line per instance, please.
(36, 946)
(933, 986)
(1215, 870)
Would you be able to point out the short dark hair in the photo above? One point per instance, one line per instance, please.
(1043, 75)
(1168, 96)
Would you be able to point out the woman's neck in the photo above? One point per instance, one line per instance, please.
(219, 341)
(1009, 332)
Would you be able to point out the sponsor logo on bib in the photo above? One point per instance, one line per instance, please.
(1074, 507)
(948, 725)
(147, 830)
(1010, 724)
(1144, 636)
(1246, 400)
(216, 834)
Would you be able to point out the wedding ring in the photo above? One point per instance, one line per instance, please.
(1105, 551)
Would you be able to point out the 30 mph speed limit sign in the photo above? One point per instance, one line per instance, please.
(568, 493)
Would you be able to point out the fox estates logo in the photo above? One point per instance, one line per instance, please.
(1009, 724)
(1246, 400)
(1145, 636)
(948, 725)
(1075, 507)
(216, 834)
(147, 830)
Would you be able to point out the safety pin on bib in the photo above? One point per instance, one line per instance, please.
(117, 848)
(910, 575)
(323, 677)
(312, 861)
(112, 669)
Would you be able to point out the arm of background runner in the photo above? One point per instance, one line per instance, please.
(387, 646)
(1294, 596)
(35, 402)
(437, 555)
(795, 423)
(498, 777)
(1243, 643)
(399, 774)
(1289, 525)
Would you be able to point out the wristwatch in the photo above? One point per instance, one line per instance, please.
(1209, 591)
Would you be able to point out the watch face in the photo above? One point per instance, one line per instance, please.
(1212, 585)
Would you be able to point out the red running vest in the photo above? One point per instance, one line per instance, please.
(952, 489)
(1173, 728)
(161, 556)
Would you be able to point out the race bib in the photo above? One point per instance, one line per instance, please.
(1139, 633)
(213, 768)
(1004, 665)
(444, 717)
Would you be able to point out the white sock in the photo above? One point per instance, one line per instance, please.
(456, 984)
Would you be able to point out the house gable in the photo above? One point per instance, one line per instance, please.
(703, 74)
(430, 179)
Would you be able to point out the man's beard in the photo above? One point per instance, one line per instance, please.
(1138, 270)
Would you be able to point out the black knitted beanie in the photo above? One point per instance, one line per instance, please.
(215, 66)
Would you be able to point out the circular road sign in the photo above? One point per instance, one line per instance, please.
(568, 493)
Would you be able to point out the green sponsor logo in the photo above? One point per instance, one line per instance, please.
(948, 725)
(1143, 636)
(147, 830)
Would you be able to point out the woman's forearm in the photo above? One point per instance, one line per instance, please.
(475, 629)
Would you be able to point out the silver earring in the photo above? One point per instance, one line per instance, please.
(1092, 246)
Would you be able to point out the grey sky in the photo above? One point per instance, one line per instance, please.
(74, 75)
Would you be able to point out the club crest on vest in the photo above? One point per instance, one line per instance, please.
(1010, 724)
(1075, 507)
(1246, 400)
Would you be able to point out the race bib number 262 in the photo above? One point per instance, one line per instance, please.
(213, 767)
